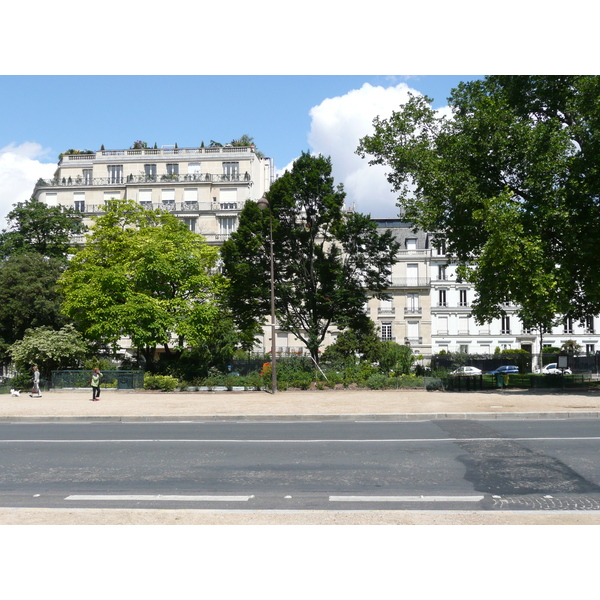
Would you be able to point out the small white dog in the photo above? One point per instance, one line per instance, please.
(15, 393)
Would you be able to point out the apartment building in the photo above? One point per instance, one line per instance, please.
(406, 317)
(453, 329)
(430, 307)
(205, 187)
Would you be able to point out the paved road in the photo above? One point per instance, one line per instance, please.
(439, 465)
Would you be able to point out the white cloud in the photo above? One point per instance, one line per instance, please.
(337, 126)
(20, 168)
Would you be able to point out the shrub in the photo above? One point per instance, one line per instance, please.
(166, 383)
(251, 380)
(378, 381)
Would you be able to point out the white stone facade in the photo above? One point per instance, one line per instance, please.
(206, 187)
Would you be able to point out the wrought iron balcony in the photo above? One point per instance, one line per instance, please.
(198, 178)
(174, 207)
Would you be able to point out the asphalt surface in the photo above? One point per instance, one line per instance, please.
(392, 405)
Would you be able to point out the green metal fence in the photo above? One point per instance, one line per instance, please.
(122, 380)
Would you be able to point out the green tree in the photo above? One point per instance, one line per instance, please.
(396, 357)
(145, 275)
(351, 346)
(29, 296)
(49, 349)
(327, 262)
(35, 227)
(512, 181)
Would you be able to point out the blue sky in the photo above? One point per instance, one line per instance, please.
(290, 77)
(48, 114)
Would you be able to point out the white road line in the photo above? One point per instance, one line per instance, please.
(405, 498)
(315, 441)
(159, 497)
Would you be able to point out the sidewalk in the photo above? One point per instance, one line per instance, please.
(388, 404)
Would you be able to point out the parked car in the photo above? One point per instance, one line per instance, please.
(504, 370)
(466, 371)
(552, 369)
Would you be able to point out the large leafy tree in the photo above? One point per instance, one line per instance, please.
(29, 296)
(35, 227)
(145, 275)
(512, 179)
(327, 262)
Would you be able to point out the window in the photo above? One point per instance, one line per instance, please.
(228, 199)
(462, 298)
(167, 197)
(282, 341)
(227, 225)
(386, 332)
(442, 325)
(385, 307)
(590, 348)
(441, 247)
(173, 169)
(505, 324)
(589, 324)
(150, 172)
(568, 325)
(191, 223)
(442, 272)
(190, 198)
(87, 176)
(463, 348)
(442, 298)
(231, 170)
(111, 196)
(463, 325)
(79, 201)
(115, 173)
(412, 303)
(412, 331)
(412, 274)
(411, 244)
(145, 198)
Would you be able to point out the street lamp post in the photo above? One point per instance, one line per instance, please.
(263, 204)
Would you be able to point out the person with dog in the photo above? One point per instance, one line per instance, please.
(95, 383)
(36, 383)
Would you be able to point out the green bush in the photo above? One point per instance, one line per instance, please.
(251, 380)
(377, 381)
(166, 383)
(22, 381)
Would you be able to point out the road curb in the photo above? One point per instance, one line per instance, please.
(313, 417)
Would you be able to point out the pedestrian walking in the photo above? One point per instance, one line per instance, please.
(36, 383)
(95, 383)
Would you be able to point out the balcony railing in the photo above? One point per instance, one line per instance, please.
(412, 252)
(174, 207)
(410, 282)
(211, 238)
(412, 310)
(143, 179)
(386, 310)
(154, 152)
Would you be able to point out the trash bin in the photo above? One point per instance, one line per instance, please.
(500, 379)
